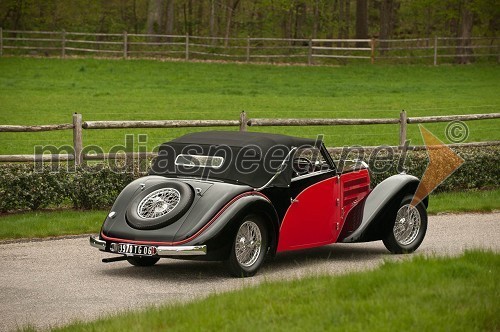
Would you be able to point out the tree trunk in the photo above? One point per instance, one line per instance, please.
(466, 24)
(387, 15)
(155, 15)
(300, 17)
(231, 9)
(316, 23)
(361, 21)
(169, 29)
(212, 22)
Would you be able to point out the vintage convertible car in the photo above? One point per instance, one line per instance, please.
(239, 196)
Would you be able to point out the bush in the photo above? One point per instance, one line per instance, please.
(479, 171)
(23, 187)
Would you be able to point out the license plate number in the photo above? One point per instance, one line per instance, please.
(134, 249)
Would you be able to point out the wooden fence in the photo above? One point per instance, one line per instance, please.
(78, 125)
(310, 51)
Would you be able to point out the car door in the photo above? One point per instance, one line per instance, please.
(313, 218)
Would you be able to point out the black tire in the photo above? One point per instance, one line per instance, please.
(409, 228)
(143, 260)
(251, 255)
(155, 197)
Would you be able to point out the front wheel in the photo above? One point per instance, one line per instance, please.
(409, 228)
(249, 247)
(143, 260)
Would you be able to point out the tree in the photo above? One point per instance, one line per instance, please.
(155, 16)
(388, 10)
(231, 7)
(361, 21)
(344, 18)
(169, 29)
(465, 33)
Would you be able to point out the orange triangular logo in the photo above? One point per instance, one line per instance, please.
(443, 161)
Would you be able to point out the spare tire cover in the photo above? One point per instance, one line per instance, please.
(159, 205)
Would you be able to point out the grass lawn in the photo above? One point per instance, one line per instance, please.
(45, 91)
(54, 223)
(65, 222)
(421, 294)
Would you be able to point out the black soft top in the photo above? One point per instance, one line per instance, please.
(248, 158)
(240, 139)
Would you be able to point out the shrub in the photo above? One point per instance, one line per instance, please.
(23, 187)
(479, 171)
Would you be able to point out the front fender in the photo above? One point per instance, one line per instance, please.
(380, 208)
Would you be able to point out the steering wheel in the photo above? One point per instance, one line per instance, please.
(302, 165)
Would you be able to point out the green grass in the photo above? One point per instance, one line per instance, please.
(468, 201)
(55, 223)
(45, 224)
(424, 294)
(45, 91)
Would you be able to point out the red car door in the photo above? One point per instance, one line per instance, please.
(313, 218)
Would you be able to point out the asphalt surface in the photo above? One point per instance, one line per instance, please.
(53, 282)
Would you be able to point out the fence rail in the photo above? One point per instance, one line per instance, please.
(242, 123)
(250, 49)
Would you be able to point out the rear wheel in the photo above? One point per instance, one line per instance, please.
(249, 247)
(409, 228)
(143, 260)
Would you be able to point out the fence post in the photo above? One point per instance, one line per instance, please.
(187, 46)
(372, 45)
(77, 138)
(125, 43)
(248, 49)
(63, 44)
(1, 41)
(310, 52)
(403, 122)
(435, 50)
(243, 121)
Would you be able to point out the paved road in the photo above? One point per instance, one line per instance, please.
(50, 283)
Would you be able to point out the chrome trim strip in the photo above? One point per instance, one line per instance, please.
(181, 250)
(95, 242)
(280, 169)
(309, 175)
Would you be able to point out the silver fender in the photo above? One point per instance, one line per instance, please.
(379, 204)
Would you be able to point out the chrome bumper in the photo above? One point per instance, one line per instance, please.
(99, 244)
(160, 250)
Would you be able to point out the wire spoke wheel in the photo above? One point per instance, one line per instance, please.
(410, 226)
(249, 247)
(158, 203)
(248, 243)
(407, 225)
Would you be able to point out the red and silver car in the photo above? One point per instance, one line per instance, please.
(240, 196)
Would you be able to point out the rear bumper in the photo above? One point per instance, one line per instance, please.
(160, 250)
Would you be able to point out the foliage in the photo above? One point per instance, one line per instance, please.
(28, 186)
(262, 18)
(479, 171)
(447, 294)
(25, 186)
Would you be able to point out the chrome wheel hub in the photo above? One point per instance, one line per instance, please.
(407, 225)
(248, 242)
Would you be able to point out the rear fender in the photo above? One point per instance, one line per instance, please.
(221, 232)
(381, 206)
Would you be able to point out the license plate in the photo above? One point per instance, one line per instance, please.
(134, 249)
